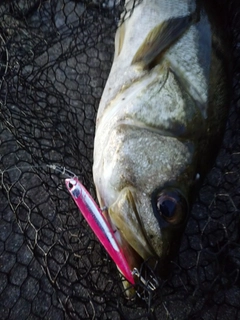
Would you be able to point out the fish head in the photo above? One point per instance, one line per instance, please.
(147, 192)
(151, 224)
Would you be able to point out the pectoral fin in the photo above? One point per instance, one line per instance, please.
(160, 37)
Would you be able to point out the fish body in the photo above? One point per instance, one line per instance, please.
(159, 123)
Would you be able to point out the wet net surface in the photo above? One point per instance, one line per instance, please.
(55, 57)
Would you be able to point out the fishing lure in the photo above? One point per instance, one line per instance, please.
(99, 225)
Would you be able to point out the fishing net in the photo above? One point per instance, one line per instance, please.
(55, 57)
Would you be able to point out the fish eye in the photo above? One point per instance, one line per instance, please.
(172, 206)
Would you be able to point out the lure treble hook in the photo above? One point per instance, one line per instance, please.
(148, 284)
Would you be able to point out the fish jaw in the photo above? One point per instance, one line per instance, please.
(124, 215)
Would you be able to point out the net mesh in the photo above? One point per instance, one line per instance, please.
(55, 57)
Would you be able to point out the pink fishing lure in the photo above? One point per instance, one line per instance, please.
(99, 225)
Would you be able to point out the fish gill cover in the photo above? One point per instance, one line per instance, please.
(55, 57)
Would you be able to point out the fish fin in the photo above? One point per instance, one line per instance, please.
(160, 37)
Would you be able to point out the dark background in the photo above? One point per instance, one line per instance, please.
(55, 57)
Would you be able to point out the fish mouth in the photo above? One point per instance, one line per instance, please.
(143, 271)
(148, 273)
(126, 227)
(143, 247)
(147, 270)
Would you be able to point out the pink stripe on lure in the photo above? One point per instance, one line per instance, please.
(99, 225)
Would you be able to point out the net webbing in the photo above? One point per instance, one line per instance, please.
(55, 57)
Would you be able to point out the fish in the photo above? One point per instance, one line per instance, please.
(160, 123)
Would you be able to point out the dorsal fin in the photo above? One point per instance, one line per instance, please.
(160, 37)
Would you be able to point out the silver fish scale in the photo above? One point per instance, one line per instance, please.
(145, 17)
(193, 65)
(133, 96)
